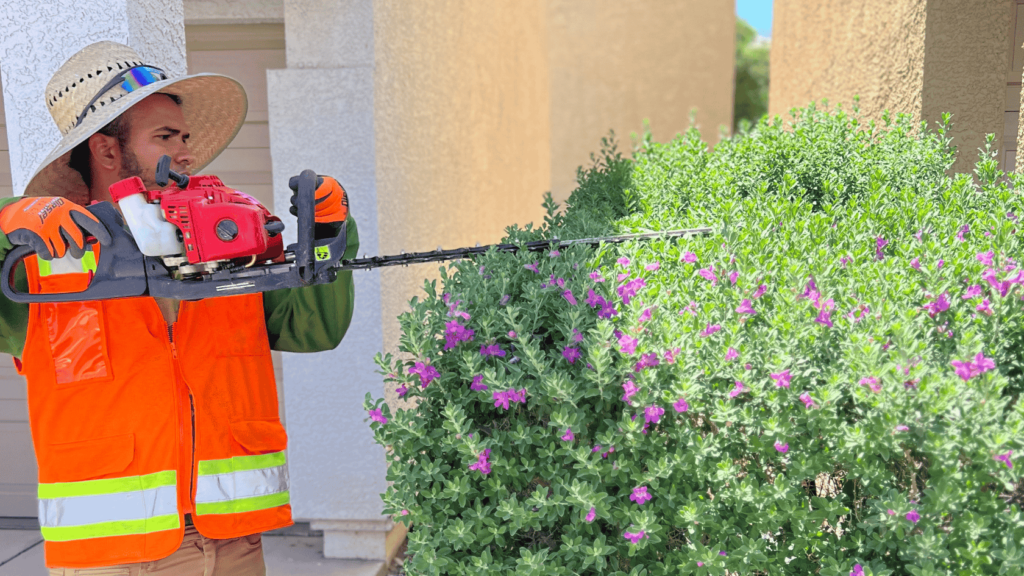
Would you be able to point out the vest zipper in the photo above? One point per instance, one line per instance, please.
(192, 413)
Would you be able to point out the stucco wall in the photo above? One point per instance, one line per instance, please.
(461, 122)
(967, 55)
(614, 64)
(923, 57)
(837, 49)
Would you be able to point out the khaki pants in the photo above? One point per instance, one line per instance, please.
(198, 556)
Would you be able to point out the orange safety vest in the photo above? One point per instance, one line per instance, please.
(110, 385)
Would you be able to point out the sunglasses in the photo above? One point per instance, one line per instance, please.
(130, 80)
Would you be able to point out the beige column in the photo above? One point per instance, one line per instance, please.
(923, 57)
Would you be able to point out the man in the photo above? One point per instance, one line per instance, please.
(155, 423)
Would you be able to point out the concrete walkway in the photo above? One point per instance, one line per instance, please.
(21, 554)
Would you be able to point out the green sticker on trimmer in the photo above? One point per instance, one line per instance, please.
(323, 252)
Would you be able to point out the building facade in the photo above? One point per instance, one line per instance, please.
(923, 57)
(446, 120)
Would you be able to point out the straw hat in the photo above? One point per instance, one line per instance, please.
(104, 79)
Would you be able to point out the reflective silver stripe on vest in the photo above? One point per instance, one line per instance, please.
(242, 484)
(120, 506)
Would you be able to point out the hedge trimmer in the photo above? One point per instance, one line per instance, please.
(202, 239)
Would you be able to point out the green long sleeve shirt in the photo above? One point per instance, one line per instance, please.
(308, 319)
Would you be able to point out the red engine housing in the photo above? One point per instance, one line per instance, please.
(216, 222)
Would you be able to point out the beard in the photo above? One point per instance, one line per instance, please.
(130, 167)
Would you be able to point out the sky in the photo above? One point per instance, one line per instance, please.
(757, 13)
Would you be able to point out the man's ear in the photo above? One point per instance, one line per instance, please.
(105, 153)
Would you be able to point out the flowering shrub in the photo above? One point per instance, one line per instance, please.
(827, 385)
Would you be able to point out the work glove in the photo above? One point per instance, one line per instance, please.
(331, 208)
(51, 226)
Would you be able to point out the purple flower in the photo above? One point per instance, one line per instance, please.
(569, 297)
(810, 290)
(649, 360)
(690, 309)
(607, 310)
(554, 254)
(1011, 216)
(964, 230)
(890, 512)
(731, 354)
(918, 235)
(940, 264)
(377, 416)
(902, 428)
(970, 369)
(844, 261)
(984, 307)
(759, 292)
(913, 516)
(454, 333)
(808, 401)
(670, 355)
(745, 308)
(596, 276)
(627, 344)
(653, 266)
(858, 570)
(500, 399)
(426, 372)
(576, 336)
(634, 537)
(630, 389)
(709, 274)
(783, 448)
(482, 465)
(593, 298)
(1005, 459)
(653, 414)
(629, 289)
(477, 384)
(623, 261)
(591, 515)
(640, 495)
(492, 350)
(733, 276)
(681, 405)
(622, 276)
(535, 267)
(504, 299)
(973, 291)
(872, 383)
(401, 391)
(512, 334)
(568, 436)
(782, 379)
(879, 244)
(644, 316)
(738, 388)
(711, 329)
(689, 257)
(571, 354)
(824, 318)
(941, 304)
(986, 257)
(915, 264)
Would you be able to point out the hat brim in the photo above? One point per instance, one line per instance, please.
(214, 107)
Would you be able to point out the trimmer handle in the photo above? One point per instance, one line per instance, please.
(315, 260)
(120, 270)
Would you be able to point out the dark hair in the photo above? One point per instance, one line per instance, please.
(118, 128)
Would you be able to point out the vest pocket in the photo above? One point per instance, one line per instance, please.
(78, 343)
(81, 506)
(86, 459)
(246, 483)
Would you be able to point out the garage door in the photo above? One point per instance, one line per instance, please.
(243, 52)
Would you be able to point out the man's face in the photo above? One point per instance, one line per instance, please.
(156, 127)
